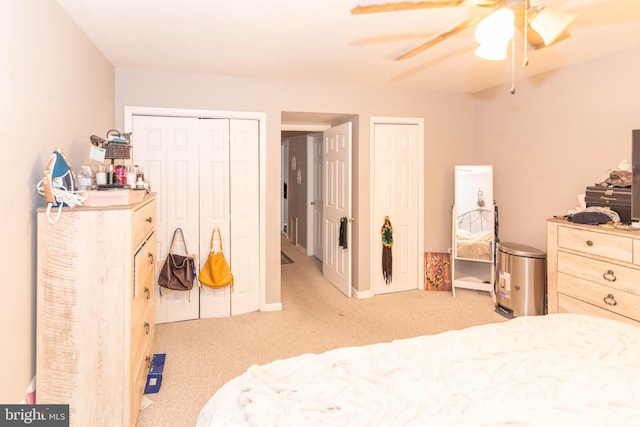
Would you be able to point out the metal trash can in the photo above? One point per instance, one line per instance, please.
(521, 280)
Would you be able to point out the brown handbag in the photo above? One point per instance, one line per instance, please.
(178, 271)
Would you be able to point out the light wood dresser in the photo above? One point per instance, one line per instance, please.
(95, 311)
(593, 270)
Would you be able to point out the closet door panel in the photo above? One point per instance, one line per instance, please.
(214, 207)
(244, 208)
(167, 149)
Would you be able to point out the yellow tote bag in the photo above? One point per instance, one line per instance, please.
(216, 272)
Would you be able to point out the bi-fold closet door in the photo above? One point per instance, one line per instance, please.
(206, 174)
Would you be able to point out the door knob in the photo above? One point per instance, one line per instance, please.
(352, 219)
(312, 203)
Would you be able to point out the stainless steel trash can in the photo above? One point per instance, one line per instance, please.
(521, 280)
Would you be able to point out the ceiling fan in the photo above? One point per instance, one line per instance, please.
(541, 27)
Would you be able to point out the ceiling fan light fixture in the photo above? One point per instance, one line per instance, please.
(493, 51)
(549, 24)
(493, 34)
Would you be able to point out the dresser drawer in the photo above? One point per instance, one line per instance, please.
(569, 304)
(636, 251)
(144, 277)
(604, 297)
(596, 243)
(144, 219)
(138, 382)
(605, 273)
(142, 331)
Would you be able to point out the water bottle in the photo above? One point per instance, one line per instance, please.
(85, 178)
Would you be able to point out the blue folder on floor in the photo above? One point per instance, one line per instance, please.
(154, 378)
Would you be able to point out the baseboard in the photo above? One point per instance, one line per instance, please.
(361, 294)
(272, 307)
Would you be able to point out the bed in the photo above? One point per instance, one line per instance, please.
(559, 369)
(474, 234)
(474, 245)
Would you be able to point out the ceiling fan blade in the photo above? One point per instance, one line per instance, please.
(424, 4)
(442, 36)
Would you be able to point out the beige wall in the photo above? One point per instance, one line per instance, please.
(448, 139)
(56, 89)
(559, 133)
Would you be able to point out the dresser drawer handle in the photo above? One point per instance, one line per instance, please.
(147, 328)
(150, 256)
(609, 276)
(149, 220)
(610, 300)
(589, 243)
(147, 293)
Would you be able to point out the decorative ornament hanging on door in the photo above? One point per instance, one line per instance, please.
(387, 242)
(480, 198)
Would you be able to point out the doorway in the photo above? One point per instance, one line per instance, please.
(302, 170)
(284, 174)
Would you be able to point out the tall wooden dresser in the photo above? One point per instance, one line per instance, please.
(593, 270)
(95, 311)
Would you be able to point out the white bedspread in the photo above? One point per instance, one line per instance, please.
(560, 369)
(474, 245)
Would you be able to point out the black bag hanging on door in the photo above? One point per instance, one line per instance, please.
(387, 257)
(342, 235)
(178, 271)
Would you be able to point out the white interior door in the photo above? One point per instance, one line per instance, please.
(336, 261)
(316, 182)
(167, 149)
(396, 184)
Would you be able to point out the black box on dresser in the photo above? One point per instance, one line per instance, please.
(617, 199)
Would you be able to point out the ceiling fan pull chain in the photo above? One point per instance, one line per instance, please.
(513, 66)
(525, 59)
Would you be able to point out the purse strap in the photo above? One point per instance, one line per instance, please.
(213, 233)
(173, 241)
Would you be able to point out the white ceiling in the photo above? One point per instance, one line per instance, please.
(320, 41)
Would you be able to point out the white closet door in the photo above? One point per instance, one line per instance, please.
(206, 174)
(245, 219)
(214, 206)
(229, 199)
(167, 149)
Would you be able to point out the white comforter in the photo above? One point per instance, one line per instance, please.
(474, 245)
(561, 369)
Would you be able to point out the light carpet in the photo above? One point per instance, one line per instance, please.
(204, 354)
(284, 258)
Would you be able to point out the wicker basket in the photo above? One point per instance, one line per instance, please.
(118, 151)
